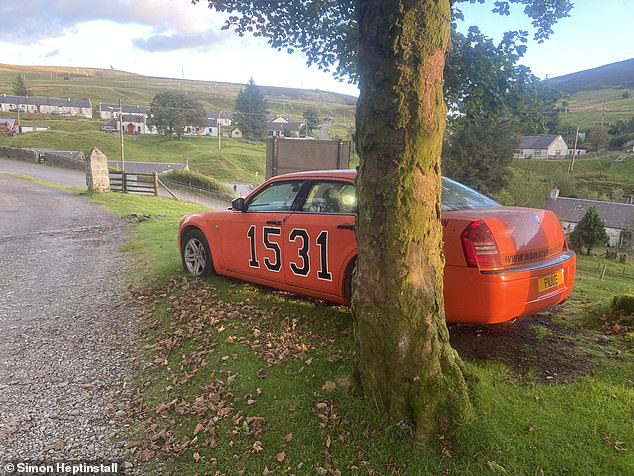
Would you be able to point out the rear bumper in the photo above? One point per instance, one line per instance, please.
(489, 297)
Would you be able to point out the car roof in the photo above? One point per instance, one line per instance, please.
(348, 174)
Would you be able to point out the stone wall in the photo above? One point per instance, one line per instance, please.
(19, 154)
(63, 162)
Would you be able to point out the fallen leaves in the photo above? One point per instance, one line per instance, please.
(329, 386)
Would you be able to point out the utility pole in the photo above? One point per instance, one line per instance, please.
(574, 151)
(603, 115)
(123, 184)
(219, 134)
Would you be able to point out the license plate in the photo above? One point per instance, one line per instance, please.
(551, 281)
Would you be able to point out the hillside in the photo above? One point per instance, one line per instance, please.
(614, 75)
(597, 95)
(101, 85)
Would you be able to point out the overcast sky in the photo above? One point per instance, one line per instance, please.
(174, 38)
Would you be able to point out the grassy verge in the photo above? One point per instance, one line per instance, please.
(244, 380)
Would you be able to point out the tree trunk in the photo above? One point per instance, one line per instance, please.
(403, 360)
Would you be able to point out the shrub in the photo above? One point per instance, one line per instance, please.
(196, 180)
(623, 303)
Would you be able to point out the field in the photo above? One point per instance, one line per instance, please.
(245, 380)
(108, 86)
(586, 107)
(599, 173)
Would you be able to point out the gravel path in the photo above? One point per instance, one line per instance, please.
(65, 351)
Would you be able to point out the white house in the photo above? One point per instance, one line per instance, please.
(225, 119)
(45, 105)
(543, 146)
(618, 217)
(111, 111)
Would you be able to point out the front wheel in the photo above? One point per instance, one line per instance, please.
(196, 255)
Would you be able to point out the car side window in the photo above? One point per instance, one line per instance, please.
(331, 197)
(277, 197)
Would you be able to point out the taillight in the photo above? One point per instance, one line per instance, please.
(480, 249)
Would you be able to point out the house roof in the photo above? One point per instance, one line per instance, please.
(114, 108)
(280, 126)
(615, 215)
(133, 118)
(542, 141)
(219, 115)
(44, 101)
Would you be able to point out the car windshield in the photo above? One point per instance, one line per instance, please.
(456, 196)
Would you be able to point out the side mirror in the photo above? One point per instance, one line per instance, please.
(238, 204)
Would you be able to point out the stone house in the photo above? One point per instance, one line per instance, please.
(543, 146)
(618, 217)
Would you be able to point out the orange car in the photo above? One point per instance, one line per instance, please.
(296, 233)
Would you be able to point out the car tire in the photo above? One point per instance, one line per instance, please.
(196, 255)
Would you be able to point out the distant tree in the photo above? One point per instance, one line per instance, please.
(172, 111)
(589, 232)
(311, 120)
(483, 80)
(19, 87)
(478, 154)
(566, 183)
(626, 95)
(250, 112)
(598, 137)
(617, 194)
(524, 189)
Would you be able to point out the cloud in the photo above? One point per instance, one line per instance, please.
(51, 54)
(28, 21)
(178, 41)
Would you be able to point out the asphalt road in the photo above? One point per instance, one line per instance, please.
(66, 331)
(75, 178)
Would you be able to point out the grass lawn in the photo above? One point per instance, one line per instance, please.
(245, 380)
(238, 379)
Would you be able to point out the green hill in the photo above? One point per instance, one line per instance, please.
(614, 75)
(108, 86)
(604, 94)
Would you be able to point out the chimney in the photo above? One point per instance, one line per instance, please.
(554, 193)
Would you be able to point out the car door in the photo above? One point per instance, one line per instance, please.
(319, 237)
(251, 240)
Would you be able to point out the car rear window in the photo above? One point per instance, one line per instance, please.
(456, 196)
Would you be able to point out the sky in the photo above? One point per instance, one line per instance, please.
(173, 38)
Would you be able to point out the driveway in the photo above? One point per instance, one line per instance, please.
(67, 331)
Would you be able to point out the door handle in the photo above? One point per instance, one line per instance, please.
(346, 226)
(273, 222)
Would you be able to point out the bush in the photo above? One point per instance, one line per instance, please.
(620, 141)
(196, 180)
(623, 303)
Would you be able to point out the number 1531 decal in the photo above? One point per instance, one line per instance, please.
(302, 266)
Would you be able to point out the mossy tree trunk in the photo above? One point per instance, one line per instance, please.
(403, 361)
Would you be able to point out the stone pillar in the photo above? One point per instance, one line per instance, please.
(97, 177)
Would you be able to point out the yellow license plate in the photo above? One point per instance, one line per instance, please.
(551, 281)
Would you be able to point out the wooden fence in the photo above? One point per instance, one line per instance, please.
(147, 184)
